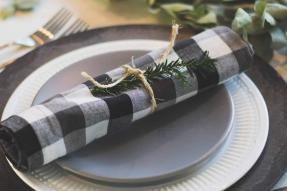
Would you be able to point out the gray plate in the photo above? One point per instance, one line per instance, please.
(167, 144)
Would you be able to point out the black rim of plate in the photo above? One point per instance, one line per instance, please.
(272, 163)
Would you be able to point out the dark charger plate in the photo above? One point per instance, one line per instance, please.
(266, 172)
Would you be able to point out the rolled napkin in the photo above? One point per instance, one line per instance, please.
(72, 119)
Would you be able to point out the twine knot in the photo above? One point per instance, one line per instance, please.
(129, 71)
(138, 73)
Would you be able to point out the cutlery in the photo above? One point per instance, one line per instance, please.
(63, 23)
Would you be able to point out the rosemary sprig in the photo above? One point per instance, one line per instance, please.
(158, 72)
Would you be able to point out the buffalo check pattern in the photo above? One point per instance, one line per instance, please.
(73, 119)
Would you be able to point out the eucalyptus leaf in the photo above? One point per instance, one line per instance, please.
(277, 10)
(198, 16)
(25, 5)
(241, 20)
(283, 2)
(270, 19)
(151, 2)
(157, 3)
(259, 7)
(7, 11)
(199, 11)
(258, 17)
(208, 18)
(279, 38)
(173, 8)
(258, 21)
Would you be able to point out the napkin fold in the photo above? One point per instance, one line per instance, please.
(72, 119)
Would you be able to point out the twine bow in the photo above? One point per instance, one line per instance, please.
(130, 71)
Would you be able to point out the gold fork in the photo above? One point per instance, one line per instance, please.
(50, 31)
(44, 33)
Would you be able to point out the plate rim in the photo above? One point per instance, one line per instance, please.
(15, 67)
(250, 81)
(90, 52)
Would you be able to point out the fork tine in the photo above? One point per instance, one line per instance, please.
(74, 27)
(56, 24)
(53, 21)
(84, 28)
(54, 18)
(71, 27)
(80, 27)
(60, 23)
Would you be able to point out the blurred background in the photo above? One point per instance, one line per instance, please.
(262, 22)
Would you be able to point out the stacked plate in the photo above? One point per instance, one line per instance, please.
(205, 143)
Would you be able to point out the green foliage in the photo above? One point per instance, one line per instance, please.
(197, 15)
(279, 39)
(25, 5)
(241, 21)
(277, 10)
(159, 71)
(16, 5)
(7, 11)
(259, 7)
(251, 19)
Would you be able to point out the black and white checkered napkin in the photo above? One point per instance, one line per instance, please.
(72, 119)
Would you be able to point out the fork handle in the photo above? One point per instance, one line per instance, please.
(6, 63)
(3, 46)
(11, 58)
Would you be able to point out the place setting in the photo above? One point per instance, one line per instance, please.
(140, 107)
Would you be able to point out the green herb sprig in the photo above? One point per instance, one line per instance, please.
(161, 71)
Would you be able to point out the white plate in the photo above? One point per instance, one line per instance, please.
(240, 152)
